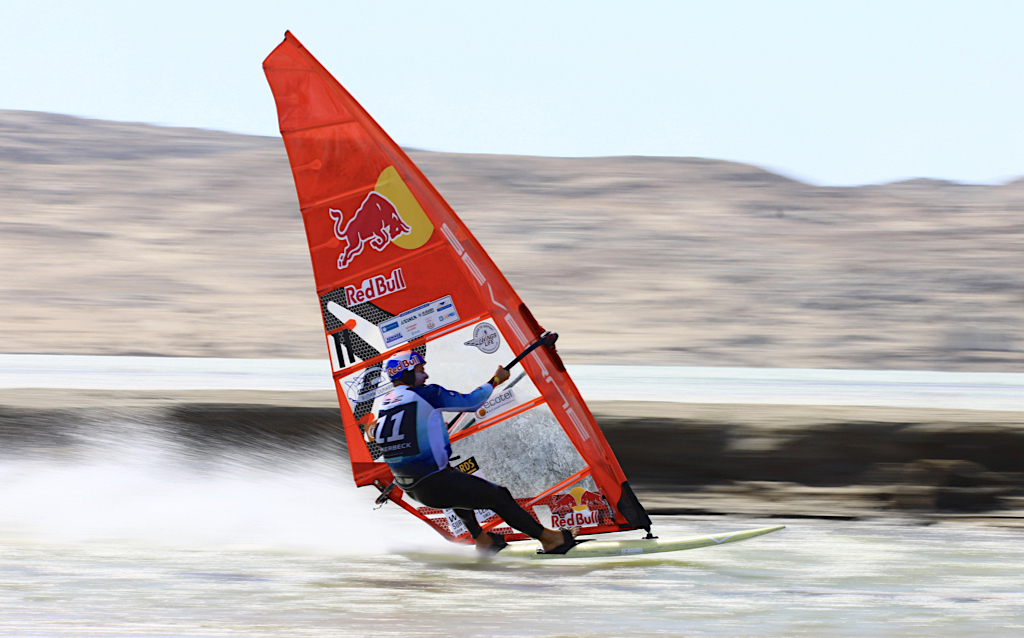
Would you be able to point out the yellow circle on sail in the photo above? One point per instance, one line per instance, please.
(577, 493)
(391, 185)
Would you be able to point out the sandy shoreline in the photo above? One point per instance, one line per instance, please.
(786, 461)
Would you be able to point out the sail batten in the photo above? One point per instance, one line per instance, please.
(385, 264)
(313, 127)
(478, 427)
(407, 345)
(327, 200)
(396, 269)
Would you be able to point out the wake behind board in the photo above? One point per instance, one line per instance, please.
(602, 548)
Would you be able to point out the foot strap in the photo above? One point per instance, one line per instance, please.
(568, 542)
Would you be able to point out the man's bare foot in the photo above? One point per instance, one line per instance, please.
(489, 543)
(483, 541)
(552, 538)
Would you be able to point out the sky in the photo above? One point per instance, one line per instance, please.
(832, 93)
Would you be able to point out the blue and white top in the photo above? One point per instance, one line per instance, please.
(411, 432)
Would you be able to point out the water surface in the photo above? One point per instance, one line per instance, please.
(138, 536)
(129, 527)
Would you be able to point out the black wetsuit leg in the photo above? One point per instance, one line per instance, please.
(464, 493)
(468, 518)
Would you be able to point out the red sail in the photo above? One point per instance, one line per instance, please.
(396, 269)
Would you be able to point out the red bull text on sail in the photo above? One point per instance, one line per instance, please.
(375, 287)
(579, 507)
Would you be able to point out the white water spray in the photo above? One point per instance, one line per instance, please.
(140, 492)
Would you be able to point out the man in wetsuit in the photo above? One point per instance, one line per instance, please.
(414, 439)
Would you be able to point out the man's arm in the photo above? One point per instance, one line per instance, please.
(443, 399)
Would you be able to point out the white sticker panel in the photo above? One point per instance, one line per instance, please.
(418, 321)
(455, 524)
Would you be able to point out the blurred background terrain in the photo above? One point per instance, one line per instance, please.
(120, 238)
(132, 239)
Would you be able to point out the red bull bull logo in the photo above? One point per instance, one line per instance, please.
(579, 507)
(376, 223)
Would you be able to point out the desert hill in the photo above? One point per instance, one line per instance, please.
(121, 238)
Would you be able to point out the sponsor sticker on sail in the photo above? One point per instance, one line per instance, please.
(418, 321)
(365, 385)
(579, 507)
(485, 338)
(498, 403)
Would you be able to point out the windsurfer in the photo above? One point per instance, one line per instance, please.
(414, 439)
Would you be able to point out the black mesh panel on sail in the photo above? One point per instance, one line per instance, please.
(631, 508)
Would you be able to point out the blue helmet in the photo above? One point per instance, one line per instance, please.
(400, 362)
